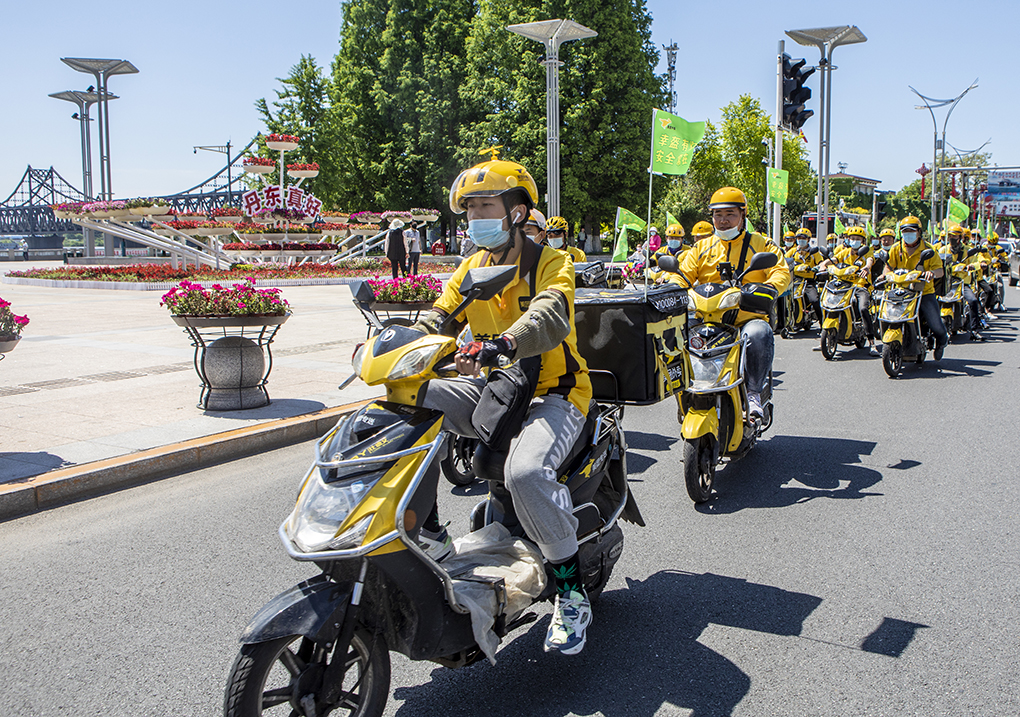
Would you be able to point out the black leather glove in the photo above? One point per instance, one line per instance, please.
(487, 352)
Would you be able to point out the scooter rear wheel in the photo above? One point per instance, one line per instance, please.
(892, 360)
(270, 678)
(828, 344)
(699, 467)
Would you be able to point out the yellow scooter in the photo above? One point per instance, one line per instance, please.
(324, 644)
(716, 422)
(843, 323)
(903, 337)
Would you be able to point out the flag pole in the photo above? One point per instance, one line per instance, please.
(651, 177)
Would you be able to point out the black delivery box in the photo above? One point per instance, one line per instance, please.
(639, 338)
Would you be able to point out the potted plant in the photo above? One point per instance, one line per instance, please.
(411, 293)
(402, 216)
(424, 215)
(232, 330)
(67, 210)
(10, 327)
(227, 214)
(282, 142)
(148, 206)
(303, 171)
(365, 218)
(336, 216)
(258, 165)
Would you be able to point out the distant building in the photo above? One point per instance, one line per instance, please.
(843, 183)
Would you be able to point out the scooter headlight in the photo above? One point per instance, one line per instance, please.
(323, 507)
(357, 358)
(730, 301)
(414, 362)
(706, 372)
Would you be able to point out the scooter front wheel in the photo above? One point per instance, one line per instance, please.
(829, 344)
(699, 467)
(284, 676)
(892, 360)
(456, 466)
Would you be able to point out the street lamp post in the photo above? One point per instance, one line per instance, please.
(960, 155)
(826, 39)
(84, 99)
(931, 105)
(552, 33)
(102, 70)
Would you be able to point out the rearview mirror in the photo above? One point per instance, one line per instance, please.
(363, 292)
(927, 254)
(669, 263)
(762, 260)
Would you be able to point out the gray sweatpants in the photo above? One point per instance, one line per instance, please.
(550, 429)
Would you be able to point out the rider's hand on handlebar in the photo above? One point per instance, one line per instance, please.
(927, 275)
(480, 354)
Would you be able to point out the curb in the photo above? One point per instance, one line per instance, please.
(88, 480)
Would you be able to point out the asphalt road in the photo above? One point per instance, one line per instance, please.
(861, 561)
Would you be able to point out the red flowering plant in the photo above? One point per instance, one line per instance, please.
(242, 246)
(282, 138)
(365, 218)
(261, 161)
(10, 323)
(227, 212)
(190, 299)
(406, 216)
(309, 167)
(412, 289)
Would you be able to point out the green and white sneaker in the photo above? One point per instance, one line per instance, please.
(571, 617)
(437, 546)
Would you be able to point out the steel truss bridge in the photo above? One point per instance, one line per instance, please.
(26, 212)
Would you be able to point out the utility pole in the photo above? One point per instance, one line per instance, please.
(671, 65)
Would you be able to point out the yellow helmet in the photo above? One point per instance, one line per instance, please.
(831, 237)
(955, 230)
(675, 230)
(727, 197)
(789, 235)
(966, 232)
(994, 238)
(556, 224)
(856, 232)
(804, 232)
(702, 229)
(887, 233)
(910, 221)
(491, 179)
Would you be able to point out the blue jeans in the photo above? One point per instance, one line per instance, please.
(761, 349)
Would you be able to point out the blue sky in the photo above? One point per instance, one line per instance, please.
(202, 66)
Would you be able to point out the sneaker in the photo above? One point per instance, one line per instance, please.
(975, 336)
(437, 546)
(874, 351)
(938, 352)
(992, 316)
(571, 617)
(754, 406)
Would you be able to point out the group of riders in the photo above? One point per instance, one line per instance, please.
(534, 316)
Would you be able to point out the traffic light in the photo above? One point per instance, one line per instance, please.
(880, 205)
(794, 93)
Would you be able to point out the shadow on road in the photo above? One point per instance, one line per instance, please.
(786, 470)
(640, 441)
(948, 367)
(642, 655)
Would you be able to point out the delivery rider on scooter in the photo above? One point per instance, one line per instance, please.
(556, 237)
(906, 254)
(957, 250)
(732, 244)
(851, 254)
(676, 246)
(805, 265)
(520, 323)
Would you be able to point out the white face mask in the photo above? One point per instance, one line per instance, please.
(855, 243)
(728, 234)
(556, 242)
(673, 243)
(910, 238)
(788, 244)
(802, 243)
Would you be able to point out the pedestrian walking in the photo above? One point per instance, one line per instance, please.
(395, 251)
(412, 242)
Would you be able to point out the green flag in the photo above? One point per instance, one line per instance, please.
(748, 227)
(981, 226)
(898, 236)
(673, 142)
(868, 229)
(1012, 230)
(958, 211)
(838, 226)
(779, 185)
(620, 251)
(670, 219)
(786, 227)
(630, 220)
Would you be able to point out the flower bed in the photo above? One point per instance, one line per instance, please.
(289, 138)
(157, 273)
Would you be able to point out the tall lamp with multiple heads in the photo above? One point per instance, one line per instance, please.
(826, 39)
(552, 33)
(102, 70)
(931, 105)
(84, 99)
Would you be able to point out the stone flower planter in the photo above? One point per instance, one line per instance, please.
(233, 358)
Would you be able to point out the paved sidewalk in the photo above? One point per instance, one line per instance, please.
(103, 374)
